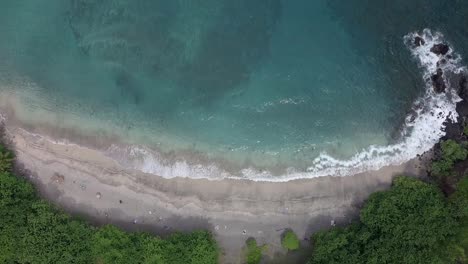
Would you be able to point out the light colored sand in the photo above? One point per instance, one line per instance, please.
(74, 176)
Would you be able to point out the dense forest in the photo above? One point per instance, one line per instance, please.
(34, 231)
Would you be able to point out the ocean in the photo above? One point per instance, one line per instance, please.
(266, 90)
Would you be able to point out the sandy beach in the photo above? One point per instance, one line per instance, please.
(85, 181)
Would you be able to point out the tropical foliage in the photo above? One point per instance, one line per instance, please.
(451, 152)
(410, 223)
(290, 240)
(253, 251)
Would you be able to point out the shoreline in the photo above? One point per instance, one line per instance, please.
(63, 128)
(86, 182)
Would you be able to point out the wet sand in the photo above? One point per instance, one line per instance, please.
(84, 181)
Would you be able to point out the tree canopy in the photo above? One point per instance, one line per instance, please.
(451, 152)
(410, 223)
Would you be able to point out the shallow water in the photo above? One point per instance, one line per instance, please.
(262, 84)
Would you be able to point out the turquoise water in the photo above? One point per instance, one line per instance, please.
(265, 83)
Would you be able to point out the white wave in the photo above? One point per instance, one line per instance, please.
(422, 129)
(148, 161)
(265, 106)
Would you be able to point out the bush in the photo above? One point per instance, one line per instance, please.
(465, 129)
(290, 240)
(254, 252)
(451, 152)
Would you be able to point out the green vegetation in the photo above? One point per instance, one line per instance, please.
(290, 240)
(6, 159)
(33, 231)
(459, 199)
(410, 223)
(254, 251)
(458, 246)
(451, 153)
(465, 130)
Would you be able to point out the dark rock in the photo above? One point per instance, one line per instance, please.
(441, 62)
(458, 81)
(463, 87)
(440, 49)
(418, 41)
(438, 81)
(452, 130)
(462, 109)
(463, 83)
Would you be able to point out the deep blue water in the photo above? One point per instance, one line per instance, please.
(266, 82)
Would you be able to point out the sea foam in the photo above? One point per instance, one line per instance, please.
(422, 128)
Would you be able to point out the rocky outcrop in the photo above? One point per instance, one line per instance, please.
(438, 78)
(454, 130)
(438, 81)
(463, 87)
(418, 41)
(440, 49)
(462, 108)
